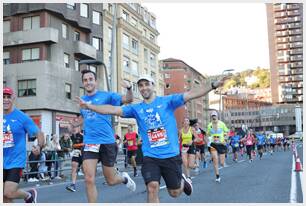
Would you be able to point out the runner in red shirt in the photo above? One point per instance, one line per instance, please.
(131, 139)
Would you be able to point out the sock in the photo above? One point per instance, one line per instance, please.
(217, 176)
(29, 196)
(125, 181)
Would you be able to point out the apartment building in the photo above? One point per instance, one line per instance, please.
(285, 30)
(42, 46)
(136, 49)
(180, 77)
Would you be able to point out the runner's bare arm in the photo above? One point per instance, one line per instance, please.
(199, 92)
(102, 109)
(128, 98)
(41, 139)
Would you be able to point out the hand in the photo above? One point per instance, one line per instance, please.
(220, 83)
(126, 84)
(81, 102)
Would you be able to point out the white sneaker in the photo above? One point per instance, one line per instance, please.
(80, 173)
(31, 180)
(218, 179)
(130, 183)
(35, 180)
(58, 177)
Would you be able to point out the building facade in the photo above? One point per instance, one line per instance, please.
(135, 37)
(43, 44)
(179, 78)
(285, 31)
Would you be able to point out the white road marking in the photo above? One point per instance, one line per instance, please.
(293, 183)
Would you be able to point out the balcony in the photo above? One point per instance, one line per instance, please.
(296, 45)
(84, 50)
(295, 32)
(293, 13)
(45, 34)
(296, 58)
(282, 33)
(280, 27)
(295, 39)
(293, 6)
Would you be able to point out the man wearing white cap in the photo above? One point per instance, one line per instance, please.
(217, 133)
(157, 127)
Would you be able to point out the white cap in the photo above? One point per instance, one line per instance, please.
(214, 113)
(145, 77)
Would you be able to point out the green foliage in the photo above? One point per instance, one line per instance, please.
(239, 79)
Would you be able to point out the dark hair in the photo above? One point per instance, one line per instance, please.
(85, 71)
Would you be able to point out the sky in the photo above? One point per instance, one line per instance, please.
(213, 37)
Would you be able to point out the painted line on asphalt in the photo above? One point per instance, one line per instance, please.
(293, 187)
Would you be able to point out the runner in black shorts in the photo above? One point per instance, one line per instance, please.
(76, 161)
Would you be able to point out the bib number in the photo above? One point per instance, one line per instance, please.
(236, 145)
(157, 137)
(8, 140)
(92, 148)
(130, 142)
(76, 153)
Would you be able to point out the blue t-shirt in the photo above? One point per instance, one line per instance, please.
(272, 140)
(97, 127)
(157, 125)
(15, 126)
(261, 139)
(235, 140)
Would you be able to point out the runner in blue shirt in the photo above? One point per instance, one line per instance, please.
(16, 125)
(260, 143)
(160, 142)
(99, 141)
(234, 142)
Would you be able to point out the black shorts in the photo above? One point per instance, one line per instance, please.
(221, 149)
(191, 149)
(235, 149)
(78, 160)
(12, 175)
(272, 145)
(200, 148)
(131, 153)
(259, 147)
(170, 169)
(107, 154)
(249, 149)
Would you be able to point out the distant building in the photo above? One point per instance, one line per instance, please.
(285, 29)
(179, 77)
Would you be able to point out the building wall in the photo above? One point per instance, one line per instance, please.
(285, 29)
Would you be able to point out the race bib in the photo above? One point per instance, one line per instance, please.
(8, 140)
(92, 148)
(130, 142)
(76, 153)
(157, 137)
(236, 145)
(249, 142)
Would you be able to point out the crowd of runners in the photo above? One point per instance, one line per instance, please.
(168, 152)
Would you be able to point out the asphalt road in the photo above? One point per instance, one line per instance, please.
(263, 181)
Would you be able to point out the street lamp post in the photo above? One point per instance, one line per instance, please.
(220, 99)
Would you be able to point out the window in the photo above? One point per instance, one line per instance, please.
(125, 40)
(66, 60)
(26, 88)
(6, 57)
(152, 37)
(134, 67)
(77, 65)
(146, 55)
(144, 32)
(70, 5)
(134, 46)
(134, 21)
(96, 42)
(167, 76)
(84, 10)
(76, 36)
(153, 22)
(6, 26)
(68, 91)
(96, 17)
(167, 86)
(93, 68)
(110, 8)
(32, 22)
(152, 59)
(125, 15)
(126, 63)
(82, 91)
(109, 59)
(30, 54)
(153, 75)
(64, 31)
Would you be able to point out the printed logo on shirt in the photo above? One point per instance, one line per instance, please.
(8, 138)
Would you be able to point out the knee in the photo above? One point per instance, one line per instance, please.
(174, 193)
(89, 179)
(8, 194)
(153, 187)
